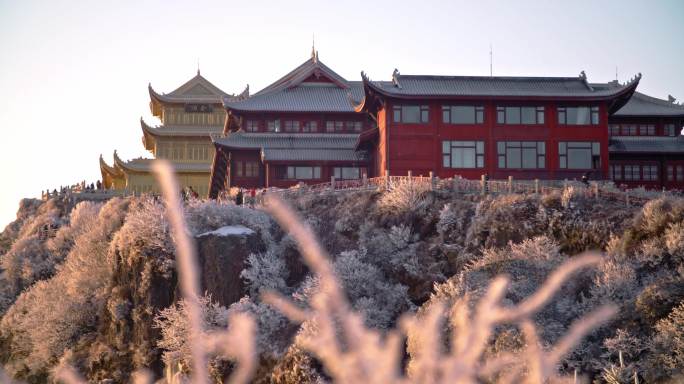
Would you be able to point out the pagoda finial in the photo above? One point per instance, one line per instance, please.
(314, 52)
(583, 75)
(671, 99)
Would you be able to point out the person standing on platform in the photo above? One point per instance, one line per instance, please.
(239, 197)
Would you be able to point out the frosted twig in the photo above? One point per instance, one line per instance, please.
(188, 270)
(67, 374)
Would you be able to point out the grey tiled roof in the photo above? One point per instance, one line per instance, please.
(496, 86)
(635, 144)
(303, 98)
(145, 165)
(297, 147)
(181, 130)
(644, 105)
(196, 90)
(291, 94)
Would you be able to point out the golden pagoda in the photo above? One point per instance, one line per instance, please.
(189, 116)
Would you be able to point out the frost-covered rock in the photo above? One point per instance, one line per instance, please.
(222, 255)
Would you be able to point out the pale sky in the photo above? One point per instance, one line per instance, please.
(74, 74)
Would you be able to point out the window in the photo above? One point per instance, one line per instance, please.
(334, 126)
(177, 151)
(164, 150)
(680, 173)
(238, 169)
(462, 114)
(629, 129)
(578, 115)
(411, 114)
(347, 173)
(291, 126)
(615, 172)
(198, 152)
(310, 126)
(353, 126)
(273, 125)
(463, 154)
(614, 129)
(252, 126)
(519, 115)
(647, 130)
(579, 155)
(650, 172)
(251, 169)
(669, 130)
(632, 172)
(521, 154)
(675, 173)
(303, 173)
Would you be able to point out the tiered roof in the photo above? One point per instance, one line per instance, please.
(296, 147)
(150, 133)
(197, 90)
(311, 87)
(644, 105)
(141, 165)
(647, 144)
(495, 87)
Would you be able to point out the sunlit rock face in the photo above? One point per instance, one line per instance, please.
(222, 255)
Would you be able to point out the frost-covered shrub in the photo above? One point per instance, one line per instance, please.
(369, 290)
(405, 196)
(296, 367)
(667, 347)
(501, 219)
(52, 315)
(657, 214)
(175, 331)
(454, 220)
(27, 261)
(82, 217)
(274, 331)
(146, 229)
(622, 343)
(674, 241)
(266, 271)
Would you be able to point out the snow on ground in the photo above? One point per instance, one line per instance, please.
(229, 230)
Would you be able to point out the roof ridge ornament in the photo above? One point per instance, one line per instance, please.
(395, 78)
(671, 99)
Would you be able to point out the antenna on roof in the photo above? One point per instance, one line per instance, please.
(490, 60)
(616, 73)
(198, 71)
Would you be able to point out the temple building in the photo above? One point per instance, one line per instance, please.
(301, 128)
(646, 145)
(313, 124)
(189, 116)
(526, 127)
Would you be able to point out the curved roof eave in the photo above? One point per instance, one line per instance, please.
(628, 88)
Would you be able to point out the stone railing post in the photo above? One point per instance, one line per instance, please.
(510, 184)
(364, 179)
(410, 176)
(483, 182)
(432, 181)
(536, 186)
(332, 182)
(627, 197)
(387, 179)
